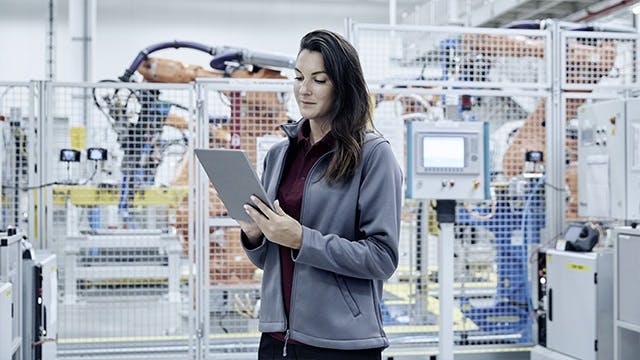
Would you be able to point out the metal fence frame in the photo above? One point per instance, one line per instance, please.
(285, 86)
(555, 89)
(42, 172)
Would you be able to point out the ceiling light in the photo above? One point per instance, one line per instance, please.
(636, 9)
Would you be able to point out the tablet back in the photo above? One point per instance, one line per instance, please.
(233, 178)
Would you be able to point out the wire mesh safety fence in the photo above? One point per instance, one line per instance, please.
(596, 66)
(492, 239)
(595, 59)
(453, 56)
(121, 229)
(17, 107)
(117, 214)
(248, 118)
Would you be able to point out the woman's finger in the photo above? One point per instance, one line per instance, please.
(279, 209)
(263, 207)
(254, 214)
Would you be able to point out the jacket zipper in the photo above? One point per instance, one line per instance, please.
(287, 333)
(286, 323)
(286, 339)
(309, 176)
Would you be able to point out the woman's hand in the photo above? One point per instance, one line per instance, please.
(251, 230)
(277, 226)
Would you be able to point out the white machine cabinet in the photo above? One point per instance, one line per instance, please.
(579, 304)
(609, 166)
(626, 293)
(40, 290)
(6, 332)
(11, 272)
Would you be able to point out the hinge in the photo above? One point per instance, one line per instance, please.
(200, 332)
(595, 344)
(595, 278)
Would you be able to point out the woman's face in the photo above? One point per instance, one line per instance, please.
(312, 87)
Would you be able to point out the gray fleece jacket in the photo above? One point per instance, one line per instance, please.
(349, 247)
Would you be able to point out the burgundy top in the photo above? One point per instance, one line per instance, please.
(300, 159)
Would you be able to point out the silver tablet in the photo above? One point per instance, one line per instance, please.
(234, 179)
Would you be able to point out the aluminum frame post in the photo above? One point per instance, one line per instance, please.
(446, 214)
(555, 133)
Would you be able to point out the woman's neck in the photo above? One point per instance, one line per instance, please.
(318, 130)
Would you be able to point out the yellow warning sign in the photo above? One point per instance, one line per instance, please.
(577, 267)
(78, 136)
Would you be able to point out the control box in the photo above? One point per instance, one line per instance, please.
(40, 294)
(448, 160)
(6, 331)
(609, 160)
(575, 303)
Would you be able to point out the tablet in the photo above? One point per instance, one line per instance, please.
(234, 179)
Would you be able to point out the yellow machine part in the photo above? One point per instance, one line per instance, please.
(95, 196)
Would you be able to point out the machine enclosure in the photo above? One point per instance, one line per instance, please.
(5, 318)
(626, 293)
(578, 305)
(11, 272)
(609, 160)
(40, 306)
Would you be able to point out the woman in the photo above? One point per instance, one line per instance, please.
(332, 237)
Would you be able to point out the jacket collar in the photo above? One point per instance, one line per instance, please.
(299, 131)
(291, 130)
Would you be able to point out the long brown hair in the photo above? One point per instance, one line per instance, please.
(351, 111)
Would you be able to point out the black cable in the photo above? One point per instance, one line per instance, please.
(33, 187)
(95, 170)
(555, 187)
(84, 182)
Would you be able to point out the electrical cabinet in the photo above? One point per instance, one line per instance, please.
(11, 272)
(579, 304)
(6, 333)
(626, 293)
(40, 289)
(609, 159)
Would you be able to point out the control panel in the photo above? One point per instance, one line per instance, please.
(448, 160)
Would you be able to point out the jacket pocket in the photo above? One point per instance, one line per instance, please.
(347, 296)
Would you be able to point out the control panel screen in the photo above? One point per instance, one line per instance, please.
(443, 152)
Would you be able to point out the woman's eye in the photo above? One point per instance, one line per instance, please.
(298, 78)
(321, 81)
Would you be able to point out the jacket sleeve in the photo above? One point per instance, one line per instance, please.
(375, 254)
(256, 254)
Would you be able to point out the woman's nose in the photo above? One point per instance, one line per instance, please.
(304, 89)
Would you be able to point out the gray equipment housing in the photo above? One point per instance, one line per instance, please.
(579, 304)
(609, 160)
(11, 272)
(40, 294)
(626, 242)
(6, 333)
